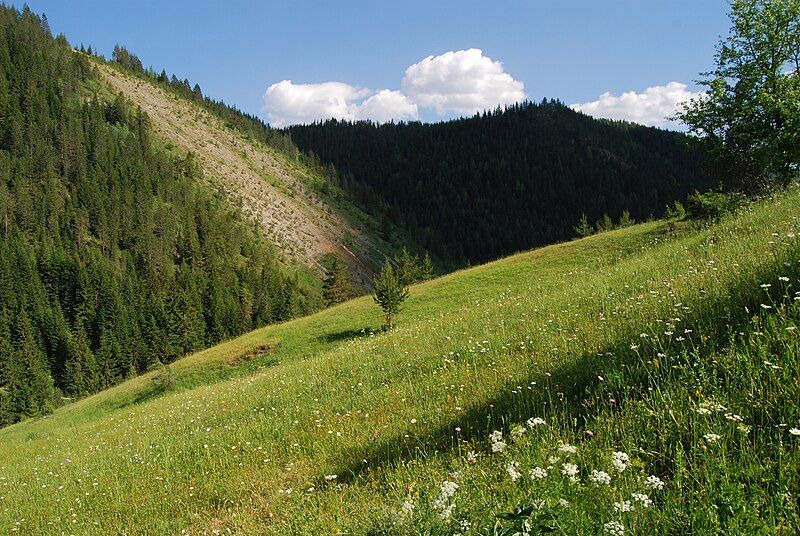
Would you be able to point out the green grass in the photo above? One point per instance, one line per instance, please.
(615, 341)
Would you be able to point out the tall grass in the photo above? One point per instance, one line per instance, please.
(630, 341)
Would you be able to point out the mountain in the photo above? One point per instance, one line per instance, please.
(655, 367)
(255, 168)
(137, 226)
(474, 189)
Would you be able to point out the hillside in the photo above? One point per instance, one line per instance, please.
(281, 195)
(655, 367)
(114, 258)
(475, 189)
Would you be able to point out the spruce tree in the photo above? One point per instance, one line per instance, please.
(390, 293)
(29, 384)
(336, 286)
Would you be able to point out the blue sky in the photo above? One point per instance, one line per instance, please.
(572, 50)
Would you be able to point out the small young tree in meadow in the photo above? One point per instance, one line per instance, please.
(390, 293)
(583, 229)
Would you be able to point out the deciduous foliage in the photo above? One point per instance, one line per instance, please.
(113, 258)
(749, 117)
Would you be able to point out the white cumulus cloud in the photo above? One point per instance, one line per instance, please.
(287, 103)
(456, 82)
(651, 107)
(462, 82)
(386, 105)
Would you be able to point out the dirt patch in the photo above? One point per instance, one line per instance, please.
(253, 353)
(267, 187)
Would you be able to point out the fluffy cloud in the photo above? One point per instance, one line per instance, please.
(386, 105)
(456, 82)
(462, 82)
(652, 107)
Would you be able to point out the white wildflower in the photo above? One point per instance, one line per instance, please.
(620, 461)
(643, 500)
(471, 456)
(567, 449)
(518, 431)
(534, 421)
(447, 490)
(623, 506)
(733, 417)
(653, 482)
(614, 528)
(599, 478)
(512, 470)
(712, 438)
(794, 431)
(537, 473)
(331, 477)
(563, 502)
(446, 512)
(498, 446)
(570, 470)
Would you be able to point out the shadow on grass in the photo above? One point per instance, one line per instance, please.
(574, 390)
(345, 335)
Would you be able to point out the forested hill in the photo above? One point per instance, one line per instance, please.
(114, 258)
(479, 188)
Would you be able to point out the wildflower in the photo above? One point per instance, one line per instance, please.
(599, 478)
(653, 482)
(413, 421)
(472, 456)
(765, 306)
(563, 502)
(534, 421)
(570, 470)
(794, 431)
(518, 431)
(512, 471)
(567, 449)
(623, 506)
(733, 417)
(642, 499)
(703, 411)
(498, 446)
(620, 461)
(537, 473)
(331, 477)
(406, 511)
(614, 528)
(447, 490)
(552, 460)
(445, 514)
(712, 438)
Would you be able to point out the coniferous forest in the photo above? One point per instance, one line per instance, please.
(475, 189)
(113, 259)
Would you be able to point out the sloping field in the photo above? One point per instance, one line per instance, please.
(270, 188)
(660, 363)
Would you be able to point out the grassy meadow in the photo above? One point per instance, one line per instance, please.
(644, 380)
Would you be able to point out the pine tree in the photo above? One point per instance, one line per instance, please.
(336, 286)
(427, 271)
(583, 229)
(390, 293)
(29, 385)
(408, 268)
(625, 220)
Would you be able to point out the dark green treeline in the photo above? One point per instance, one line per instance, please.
(113, 258)
(475, 189)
